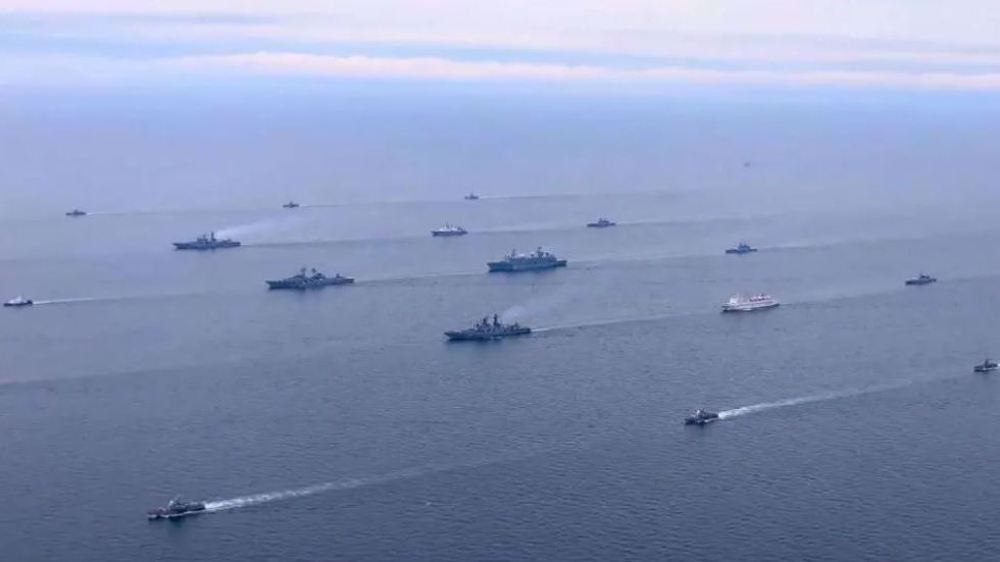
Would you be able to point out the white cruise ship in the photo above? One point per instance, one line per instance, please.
(743, 303)
(449, 230)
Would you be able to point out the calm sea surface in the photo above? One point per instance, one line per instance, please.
(339, 425)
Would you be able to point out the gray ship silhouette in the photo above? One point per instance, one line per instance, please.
(741, 249)
(314, 280)
(207, 242)
(602, 222)
(539, 259)
(485, 330)
(176, 508)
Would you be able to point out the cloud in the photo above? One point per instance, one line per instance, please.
(431, 68)
(792, 43)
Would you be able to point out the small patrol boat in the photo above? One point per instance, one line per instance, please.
(76, 213)
(987, 366)
(701, 417)
(19, 301)
(922, 279)
(175, 508)
(471, 197)
(291, 205)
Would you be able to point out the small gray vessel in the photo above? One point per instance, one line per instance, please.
(922, 279)
(539, 259)
(485, 330)
(602, 222)
(314, 280)
(207, 242)
(701, 417)
(175, 508)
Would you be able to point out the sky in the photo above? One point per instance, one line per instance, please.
(894, 45)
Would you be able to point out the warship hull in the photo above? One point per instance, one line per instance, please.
(304, 286)
(198, 246)
(476, 335)
(749, 307)
(508, 267)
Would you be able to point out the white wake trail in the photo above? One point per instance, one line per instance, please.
(67, 301)
(820, 397)
(346, 484)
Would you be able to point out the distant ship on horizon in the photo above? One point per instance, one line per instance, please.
(538, 259)
(314, 280)
(207, 242)
(741, 248)
(602, 222)
(742, 303)
(449, 230)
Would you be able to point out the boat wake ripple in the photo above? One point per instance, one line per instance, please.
(69, 301)
(345, 484)
(820, 397)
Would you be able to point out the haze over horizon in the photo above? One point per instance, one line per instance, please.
(893, 45)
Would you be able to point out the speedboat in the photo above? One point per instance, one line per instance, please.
(76, 213)
(175, 508)
(701, 417)
(986, 366)
(291, 205)
(471, 197)
(922, 279)
(19, 301)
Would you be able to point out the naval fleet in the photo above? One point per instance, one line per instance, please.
(484, 330)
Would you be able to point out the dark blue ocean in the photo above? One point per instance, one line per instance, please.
(340, 425)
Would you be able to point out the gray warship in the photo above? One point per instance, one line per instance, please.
(602, 222)
(539, 259)
(207, 242)
(301, 281)
(485, 330)
(741, 249)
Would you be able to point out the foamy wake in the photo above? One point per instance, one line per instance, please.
(67, 301)
(821, 397)
(346, 484)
